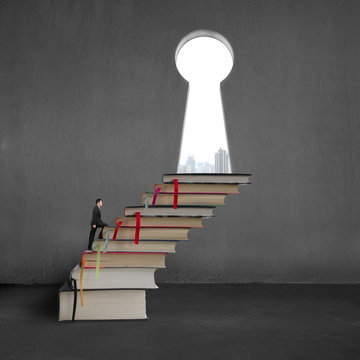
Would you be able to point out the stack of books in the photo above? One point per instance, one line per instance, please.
(111, 281)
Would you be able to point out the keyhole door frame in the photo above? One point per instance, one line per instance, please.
(191, 36)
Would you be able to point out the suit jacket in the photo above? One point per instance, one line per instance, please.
(96, 217)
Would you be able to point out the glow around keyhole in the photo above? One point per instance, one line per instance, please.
(204, 61)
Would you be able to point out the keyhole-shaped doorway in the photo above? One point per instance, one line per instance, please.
(204, 58)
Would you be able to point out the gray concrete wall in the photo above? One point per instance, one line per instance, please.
(91, 105)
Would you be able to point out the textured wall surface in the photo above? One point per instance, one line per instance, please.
(92, 105)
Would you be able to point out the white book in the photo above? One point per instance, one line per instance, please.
(200, 211)
(102, 304)
(115, 278)
(208, 178)
(142, 246)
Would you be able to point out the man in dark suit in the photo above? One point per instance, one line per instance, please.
(96, 222)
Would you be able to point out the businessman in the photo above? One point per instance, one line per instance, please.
(96, 222)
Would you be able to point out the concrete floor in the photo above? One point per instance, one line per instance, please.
(249, 321)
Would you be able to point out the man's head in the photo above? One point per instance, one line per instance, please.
(99, 202)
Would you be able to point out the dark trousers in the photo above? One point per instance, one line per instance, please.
(92, 235)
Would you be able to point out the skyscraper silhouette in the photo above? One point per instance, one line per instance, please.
(190, 164)
(221, 161)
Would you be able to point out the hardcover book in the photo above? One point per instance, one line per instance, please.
(161, 221)
(148, 233)
(115, 278)
(208, 178)
(186, 199)
(104, 304)
(198, 188)
(124, 259)
(164, 210)
(142, 246)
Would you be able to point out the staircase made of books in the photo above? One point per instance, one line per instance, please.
(111, 281)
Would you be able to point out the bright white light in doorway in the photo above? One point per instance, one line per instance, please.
(204, 61)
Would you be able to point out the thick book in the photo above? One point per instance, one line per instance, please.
(161, 221)
(185, 199)
(104, 304)
(115, 278)
(148, 233)
(142, 246)
(124, 259)
(208, 178)
(198, 188)
(165, 210)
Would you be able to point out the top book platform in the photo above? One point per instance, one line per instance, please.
(207, 178)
